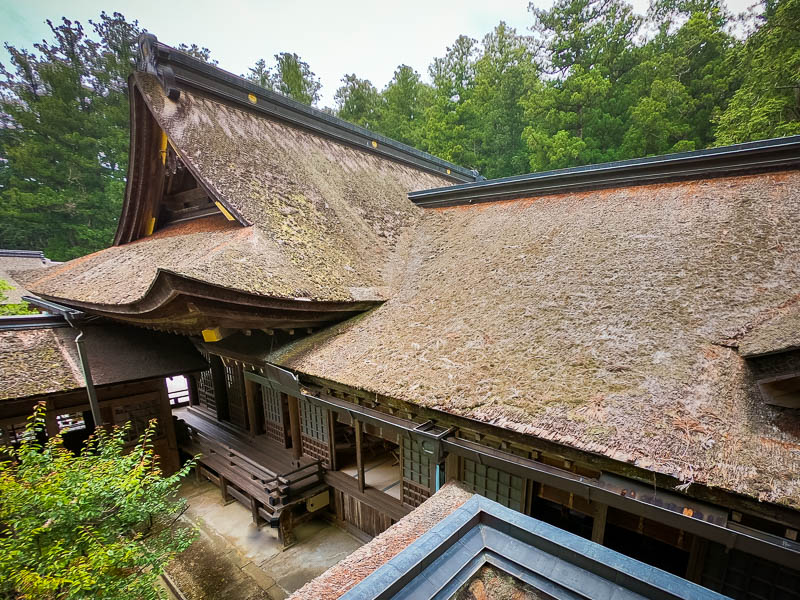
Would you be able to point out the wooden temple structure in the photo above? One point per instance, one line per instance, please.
(610, 349)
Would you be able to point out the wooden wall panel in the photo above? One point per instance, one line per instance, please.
(359, 515)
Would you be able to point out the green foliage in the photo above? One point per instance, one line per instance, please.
(404, 101)
(202, 53)
(65, 141)
(291, 76)
(260, 74)
(294, 78)
(358, 101)
(768, 102)
(96, 525)
(12, 309)
(64, 136)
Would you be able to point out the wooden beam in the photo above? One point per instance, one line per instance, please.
(599, 525)
(294, 427)
(775, 512)
(250, 392)
(359, 456)
(186, 197)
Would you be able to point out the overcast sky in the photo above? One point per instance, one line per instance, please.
(366, 37)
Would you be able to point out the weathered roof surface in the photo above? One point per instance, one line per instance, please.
(778, 333)
(326, 217)
(211, 249)
(352, 569)
(12, 261)
(335, 212)
(45, 361)
(590, 319)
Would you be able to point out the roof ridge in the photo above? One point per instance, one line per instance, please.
(746, 157)
(174, 69)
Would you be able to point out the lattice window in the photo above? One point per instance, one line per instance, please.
(70, 422)
(234, 385)
(413, 494)
(416, 462)
(12, 433)
(314, 429)
(274, 421)
(205, 388)
(313, 421)
(502, 487)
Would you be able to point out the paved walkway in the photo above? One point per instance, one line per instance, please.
(232, 559)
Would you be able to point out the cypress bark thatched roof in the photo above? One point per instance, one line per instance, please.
(594, 319)
(35, 362)
(591, 319)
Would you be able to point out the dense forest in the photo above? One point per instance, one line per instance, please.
(591, 81)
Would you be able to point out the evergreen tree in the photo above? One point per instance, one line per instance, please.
(64, 136)
(451, 124)
(293, 77)
(404, 101)
(260, 74)
(358, 101)
(65, 142)
(503, 72)
(768, 102)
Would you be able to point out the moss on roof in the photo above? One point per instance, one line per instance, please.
(32, 363)
(326, 216)
(590, 319)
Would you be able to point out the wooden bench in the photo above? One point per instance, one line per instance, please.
(268, 484)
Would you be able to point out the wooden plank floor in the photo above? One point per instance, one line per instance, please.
(259, 449)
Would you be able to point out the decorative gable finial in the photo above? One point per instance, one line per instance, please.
(146, 61)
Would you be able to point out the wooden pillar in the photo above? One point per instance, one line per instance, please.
(359, 456)
(331, 419)
(599, 525)
(697, 555)
(223, 488)
(294, 427)
(51, 420)
(254, 511)
(170, 463)
(251, 393)
(451, 467)
(285, 528)
(194, 397)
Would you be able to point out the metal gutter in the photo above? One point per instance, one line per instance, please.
(74, 318)
(19, 322)
(773, 548)
(174, 69)
(727, 160)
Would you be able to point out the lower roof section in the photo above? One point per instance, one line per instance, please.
(559, 564)
(198, 275)
(44, 360)
(435, 550)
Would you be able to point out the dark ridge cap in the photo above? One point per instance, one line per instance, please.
(173, 67)
(560, 564)
(22, 254)
(713, 162)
